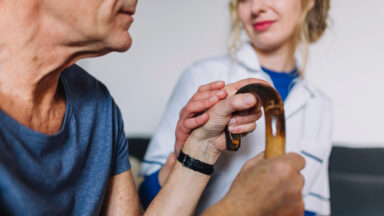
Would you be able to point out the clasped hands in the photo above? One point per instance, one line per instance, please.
(269, 187)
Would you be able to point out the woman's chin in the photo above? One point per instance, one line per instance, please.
(266, 46)
(269, 42)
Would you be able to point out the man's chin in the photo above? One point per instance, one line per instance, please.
(121, 44)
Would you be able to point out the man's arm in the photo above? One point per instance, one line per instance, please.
(265, 188)
(191, 116)
(183, 188)
(121, 197)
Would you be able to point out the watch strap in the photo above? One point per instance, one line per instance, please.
(194, 164)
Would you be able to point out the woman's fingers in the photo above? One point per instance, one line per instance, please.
(208, 94)
(208, 99)
(192, 115)
(195, 122)
(212, 86)
(201, 105)
(186, 115)
(203, 99)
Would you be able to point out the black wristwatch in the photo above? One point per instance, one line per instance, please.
(194, 164)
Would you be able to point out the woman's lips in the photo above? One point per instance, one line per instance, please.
(262, 26)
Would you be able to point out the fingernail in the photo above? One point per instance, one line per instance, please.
(219, 83)
(249, 99)
(232, 121)
(212, 98)
(219, 93)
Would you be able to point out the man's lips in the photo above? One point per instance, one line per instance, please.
(128, 12)
(263, 25)
(129, 16)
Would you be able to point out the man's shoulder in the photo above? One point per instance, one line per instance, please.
(84, 92)
(82, 84)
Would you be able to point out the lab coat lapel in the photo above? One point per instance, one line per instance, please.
(297, 98)
(300, 93)
(247, 57)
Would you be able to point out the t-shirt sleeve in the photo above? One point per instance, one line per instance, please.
(121, 156)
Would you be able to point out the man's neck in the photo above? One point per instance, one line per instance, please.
(29, 89)
(29, 71)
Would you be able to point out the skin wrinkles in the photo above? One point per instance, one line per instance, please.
(63, 32)
(33, 54)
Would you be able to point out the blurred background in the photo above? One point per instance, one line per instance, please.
(346, 64)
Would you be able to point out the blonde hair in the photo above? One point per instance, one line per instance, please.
(311, 27)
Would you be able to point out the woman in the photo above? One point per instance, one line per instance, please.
(275, 30)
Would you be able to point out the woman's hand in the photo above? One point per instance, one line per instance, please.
(208, 141)
(193, 115)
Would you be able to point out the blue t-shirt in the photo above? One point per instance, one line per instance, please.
(66, 173)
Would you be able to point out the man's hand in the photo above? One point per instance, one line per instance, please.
(207, 98)
(193, 115)
(265, 187)
(208, 141)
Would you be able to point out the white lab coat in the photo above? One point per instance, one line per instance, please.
(308, 129)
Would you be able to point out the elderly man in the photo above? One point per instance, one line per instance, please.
(62, 145)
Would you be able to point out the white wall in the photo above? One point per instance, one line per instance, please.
(169, 35)
(348, 65)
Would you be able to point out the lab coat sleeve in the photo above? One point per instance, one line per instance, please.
(163, 140)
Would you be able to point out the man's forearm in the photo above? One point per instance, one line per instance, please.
(180, 193)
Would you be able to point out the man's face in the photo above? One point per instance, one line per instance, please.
(101, 23)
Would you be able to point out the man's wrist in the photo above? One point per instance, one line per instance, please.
(201, 150)
(194, 164)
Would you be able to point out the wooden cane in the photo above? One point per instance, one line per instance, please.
(274, 120)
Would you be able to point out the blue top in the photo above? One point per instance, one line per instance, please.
(149, 189)
(282, 81)
(66, 173)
